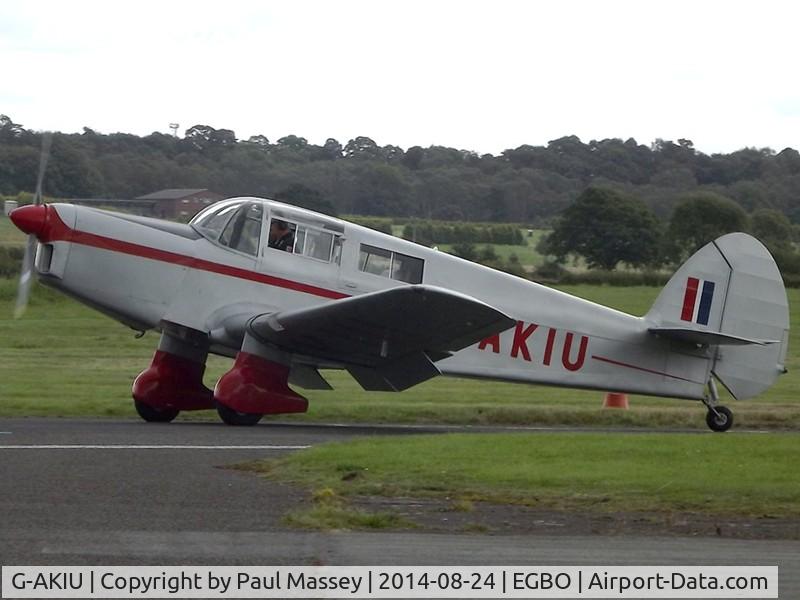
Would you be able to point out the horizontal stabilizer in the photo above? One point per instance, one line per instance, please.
(706, 338)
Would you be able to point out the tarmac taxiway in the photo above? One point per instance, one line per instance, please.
(95, 492)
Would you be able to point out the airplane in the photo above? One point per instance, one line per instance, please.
(287, 292)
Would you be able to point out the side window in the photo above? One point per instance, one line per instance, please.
(394, 265)
(318, 244)
(243, 231)
(407, 268)
(301, 239)
(283, 235)
(375, 260)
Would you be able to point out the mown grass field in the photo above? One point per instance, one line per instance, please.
(62, 359)
(736, 474)
(527, 255)
(10, 235)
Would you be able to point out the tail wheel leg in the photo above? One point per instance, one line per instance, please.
(719, 418)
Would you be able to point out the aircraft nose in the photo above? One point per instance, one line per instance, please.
(30, 219)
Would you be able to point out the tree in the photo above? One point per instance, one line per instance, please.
(465, 250)
(259, 140)
(702, 217)
(293, 142)
(606, 227)
(306, 197)
(10, 131)
(772, 228)
(413, 157)
(205, 137)
(332, 149)
(392, 153)
(362, 147)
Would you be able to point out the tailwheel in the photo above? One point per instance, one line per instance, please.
(233, 417)
(153, 415)
(719, 418)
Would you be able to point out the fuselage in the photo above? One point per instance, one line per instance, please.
(144, 272)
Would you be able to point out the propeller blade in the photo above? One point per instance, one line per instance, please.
(47, 140)
(26, 273)
(25, 277)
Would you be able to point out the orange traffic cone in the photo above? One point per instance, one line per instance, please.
(615, 400)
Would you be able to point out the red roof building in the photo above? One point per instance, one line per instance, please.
(179, 204)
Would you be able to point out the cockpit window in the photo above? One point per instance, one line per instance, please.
(316, 244)
(243, 231)
(301, 239)
(282, 235)
(212, 221)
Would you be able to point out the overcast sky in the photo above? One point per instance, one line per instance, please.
(482, 76)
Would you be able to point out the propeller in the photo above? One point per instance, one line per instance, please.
(26, 274)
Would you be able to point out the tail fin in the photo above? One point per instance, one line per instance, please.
(729, 296)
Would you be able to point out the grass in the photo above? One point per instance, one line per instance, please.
(527, 255)
(330, 516)
(734, 474)
(9, 235)
(63, 359)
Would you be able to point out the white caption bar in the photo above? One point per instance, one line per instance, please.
(391, 582)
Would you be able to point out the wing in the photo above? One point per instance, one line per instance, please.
(388, 340)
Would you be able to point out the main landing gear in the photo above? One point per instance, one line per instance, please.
(256, 385)
(174, 380)
(719, 418)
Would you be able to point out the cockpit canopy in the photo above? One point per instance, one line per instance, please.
(233, 223)
(238, 223)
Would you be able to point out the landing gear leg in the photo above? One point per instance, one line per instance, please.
(174, 379)
(719, 418)
(258, 384)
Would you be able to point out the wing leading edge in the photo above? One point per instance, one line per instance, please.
(388, 340)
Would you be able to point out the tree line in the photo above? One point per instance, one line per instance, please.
(528, 184)
(607, 227)
(436, 232)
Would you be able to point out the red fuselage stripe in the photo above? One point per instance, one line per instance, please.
(59, 231)
(644, 369)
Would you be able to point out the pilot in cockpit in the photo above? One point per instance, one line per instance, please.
(281, 236)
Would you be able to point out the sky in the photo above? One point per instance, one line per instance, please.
(482, 76)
